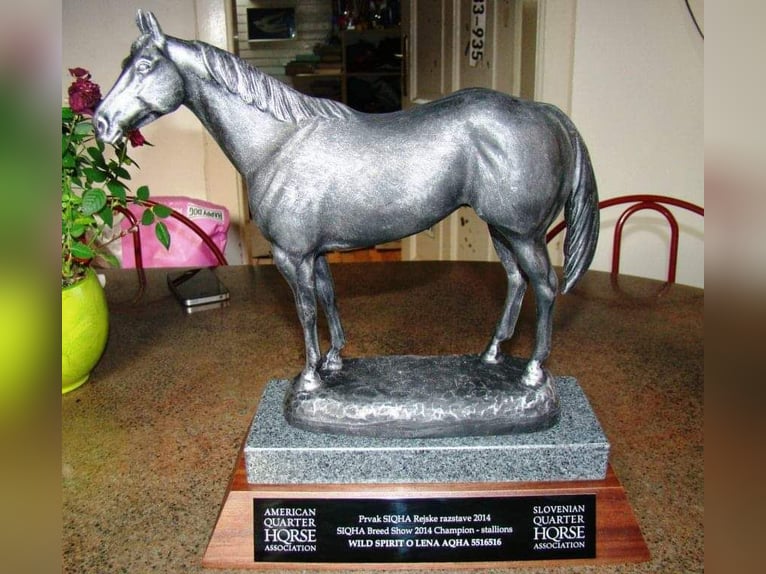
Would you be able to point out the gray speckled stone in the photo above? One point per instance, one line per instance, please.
(278, 453)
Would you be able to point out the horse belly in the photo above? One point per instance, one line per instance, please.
(393, 222)
(379, 211)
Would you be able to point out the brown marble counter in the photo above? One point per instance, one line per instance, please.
(149, 443)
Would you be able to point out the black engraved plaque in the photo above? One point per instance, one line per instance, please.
(425, 529)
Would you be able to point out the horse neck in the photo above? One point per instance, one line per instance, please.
(247, 135)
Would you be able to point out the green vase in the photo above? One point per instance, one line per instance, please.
(84, 330)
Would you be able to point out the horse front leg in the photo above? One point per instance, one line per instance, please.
(299, 273)
(326, 292)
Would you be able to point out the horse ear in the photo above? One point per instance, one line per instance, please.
(147, 24)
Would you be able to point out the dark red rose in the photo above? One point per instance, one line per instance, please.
(84, 95)
(136, 138)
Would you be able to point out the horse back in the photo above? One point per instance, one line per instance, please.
(373, 178)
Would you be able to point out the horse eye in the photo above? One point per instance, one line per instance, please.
(143, 66)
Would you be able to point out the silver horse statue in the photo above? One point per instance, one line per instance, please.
(323, 177)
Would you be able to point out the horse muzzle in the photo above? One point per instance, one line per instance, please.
(106, 131)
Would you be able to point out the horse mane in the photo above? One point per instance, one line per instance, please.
(264, 92)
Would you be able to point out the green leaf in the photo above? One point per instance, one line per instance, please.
(118, 191)
(77, 231)
(94, 175)
(68, 160)
(87, 220)
(67, 114)
(107, 216)
(93, 201)
(97, 156)
(118, 171)
(82, 251)
(162, 234)
(115, 185)
(65, 144)
(76, 181)
(142, 193)
(162, 211)
(83, 128)
(147, 218)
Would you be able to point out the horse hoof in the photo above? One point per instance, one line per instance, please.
(307, 382)
(493, 357)
(534, 375)
(332, 363)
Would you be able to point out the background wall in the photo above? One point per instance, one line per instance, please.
(637, 98)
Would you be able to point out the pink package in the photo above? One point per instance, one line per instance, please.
(186, 247)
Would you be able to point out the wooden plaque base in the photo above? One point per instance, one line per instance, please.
(231, 545)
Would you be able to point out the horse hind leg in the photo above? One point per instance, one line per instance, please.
(299, 274)
(326, 292)
(532, 256)
(516, 288)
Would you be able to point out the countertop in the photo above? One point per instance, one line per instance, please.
(150, 441)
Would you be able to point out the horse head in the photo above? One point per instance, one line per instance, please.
(149, 86)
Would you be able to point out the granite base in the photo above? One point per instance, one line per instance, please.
(278, 453)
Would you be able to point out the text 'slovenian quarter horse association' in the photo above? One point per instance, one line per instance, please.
(323, 177)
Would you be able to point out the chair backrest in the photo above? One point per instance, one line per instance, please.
(639, 203)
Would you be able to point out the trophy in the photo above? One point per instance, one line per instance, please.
(401, 459)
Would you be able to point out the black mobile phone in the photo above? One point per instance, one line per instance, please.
(198, 289)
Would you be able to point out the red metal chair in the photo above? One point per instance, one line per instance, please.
(640, 203)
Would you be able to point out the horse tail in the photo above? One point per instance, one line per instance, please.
(582, 218)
